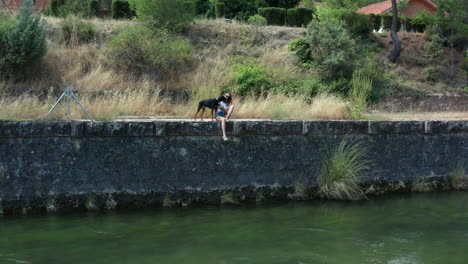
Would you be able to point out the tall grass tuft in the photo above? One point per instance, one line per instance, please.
(341, 172)
(361, 87)
(458, 178)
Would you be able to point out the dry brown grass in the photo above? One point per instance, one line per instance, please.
(103, 107)
(279, 106)
(145, 102)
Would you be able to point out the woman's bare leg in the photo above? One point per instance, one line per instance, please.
(223, 126)
(231, 108)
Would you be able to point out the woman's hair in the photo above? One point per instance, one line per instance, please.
(228, 98)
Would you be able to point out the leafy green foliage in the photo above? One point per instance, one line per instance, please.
(250, 78)
(307, 87)
(55, 6)
(387, 22)
(202, 7)
(283, 3)
(431, 74)
(24, 44)
(299, 17)
(93, 8)
(332, 50)
(422, 20)
(121, 9)
(174, 15)
(301, 49)
(273, 15)
(220, 9)
(75, 30)
(358, 25)
(434, 47)
(376, 21)
(257, 21)
(359, 94)
(155, 52)
(342, 171)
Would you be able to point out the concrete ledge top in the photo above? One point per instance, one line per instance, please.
(162, 128)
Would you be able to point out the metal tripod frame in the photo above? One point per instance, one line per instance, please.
(69, 94)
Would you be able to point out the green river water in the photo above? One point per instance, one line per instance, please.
(422, 228)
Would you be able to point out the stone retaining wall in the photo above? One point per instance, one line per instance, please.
(89, 165)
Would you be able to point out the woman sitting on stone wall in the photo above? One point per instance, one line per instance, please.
(224, 112)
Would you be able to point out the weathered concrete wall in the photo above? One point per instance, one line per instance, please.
(106, 164)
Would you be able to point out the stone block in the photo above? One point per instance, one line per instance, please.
(242, 128)
(77, 129)
(457, 126)
(105, 129)
(396, 127)
(335, 127)
(197, 128)
(140, 129)
(44, 129)
(8, 129)
(160, 128)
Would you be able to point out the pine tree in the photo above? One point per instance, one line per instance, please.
(25, 43)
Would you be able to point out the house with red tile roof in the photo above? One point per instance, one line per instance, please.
(411, 10)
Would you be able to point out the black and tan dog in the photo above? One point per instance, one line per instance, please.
(210, 103)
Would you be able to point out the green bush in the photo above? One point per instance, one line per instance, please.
(174, 15)
(357, 24)
(24, 43)
(387, 22)
(282, 3)
(376, 21)
(299, 17)
(257, 21)
(250, 78)
(273, 15)
(55, 7)
(121, 9)
(421, 21)
(301, 49)
(220, 9)
(156, 52)
(307, 87)
(75, 30)
(93, 8)
(407, 23)
(431, 74)
(434, 47)
(332, 50)
(7, 23)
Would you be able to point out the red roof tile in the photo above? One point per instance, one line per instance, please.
(378, 8)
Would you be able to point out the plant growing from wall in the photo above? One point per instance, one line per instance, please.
(342, 171)
(458, 178)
